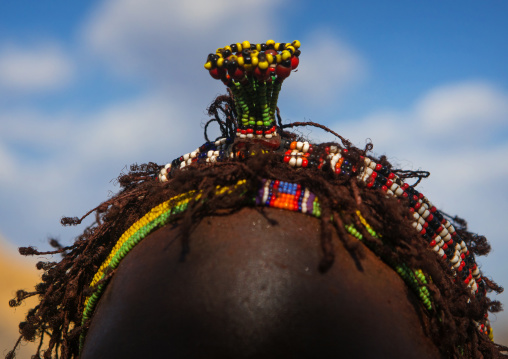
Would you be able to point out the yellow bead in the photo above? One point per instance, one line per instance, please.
(246, 45)
(239, 46)
(269, 58)
(208, 65)
(263, 65)
(296, 44)
(285, 55)
(240, 60)
(254, 61)
(270, 42)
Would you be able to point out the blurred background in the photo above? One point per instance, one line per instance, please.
(89, 87)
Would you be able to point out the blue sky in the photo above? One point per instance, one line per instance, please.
(89, 87)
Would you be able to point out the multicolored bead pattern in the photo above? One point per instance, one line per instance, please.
(429, 222)
(254, 73)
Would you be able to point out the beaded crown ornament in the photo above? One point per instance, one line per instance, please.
(254, 73)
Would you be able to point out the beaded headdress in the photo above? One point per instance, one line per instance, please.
(253, 74)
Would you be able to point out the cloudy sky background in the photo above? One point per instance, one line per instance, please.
(88, 88)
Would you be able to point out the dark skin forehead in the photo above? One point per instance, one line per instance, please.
(251, 288)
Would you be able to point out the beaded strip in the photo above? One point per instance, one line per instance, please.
(254, 73)
(429, 222)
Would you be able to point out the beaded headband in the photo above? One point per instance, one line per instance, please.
(254, 73)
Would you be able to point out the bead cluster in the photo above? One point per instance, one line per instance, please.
(290, 196)
(254, 73)
(209, 152)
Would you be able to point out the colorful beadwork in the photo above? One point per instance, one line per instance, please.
(254, 73)
(429, 222)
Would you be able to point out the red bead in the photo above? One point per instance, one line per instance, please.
(444, 256)
(378, 167)
(217, 72)
(305, 162)
(450, 242)
(404, 186)
(415, 198)
(277, 182)
(259, 132)
(411, 210)
(439, 230)
(430, 217)
(294, 62)
(244, 132)
(345, 150)
(432, 243)
(418, 205)
(423, 231)
(433, 209)
(373, 175)
(391, 175)
(420, 196)
(445, 247)
(282, 71)
(405, 194)
(327, 150)
(287, 158)
(425, 225)
(389, 183)
(384, 188)
(250, 130)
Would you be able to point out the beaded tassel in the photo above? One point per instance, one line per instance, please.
(254, 73)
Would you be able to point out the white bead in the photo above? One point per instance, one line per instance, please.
(394, 187)
(455, 259)
(456, 265)
(451, 229)
(250, 135)
(213, 159)
(443, 233)
(299, 146)
(373, 165)
(367, 161)
(265, 193)
(259, 136)
(209, 154)
(292, 162)
(193, 154)
(421, 221)
(189, 161)
(425, 214)
(208, 160)
(399, 191)
(438, 239)
(167, 166)
(294, 152)
(163, 172)
(441, 252)
(186, 156)
(463, 244)
(333, 149)
(416, 216)
(306, 147)
(447, 237)
(299, 162)
(474, 287)
(242, 135)
(304, 207)
(418, 227)
(476, 272)
(422, 210)
(390, 193)
(216, 153)
(217, 143)
(269, 135)
(369, 172)
(182, 164)
(435, 248)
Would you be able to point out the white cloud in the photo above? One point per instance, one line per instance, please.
(471, 105)
(168, 41)
(40, 68)
(328, 66)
